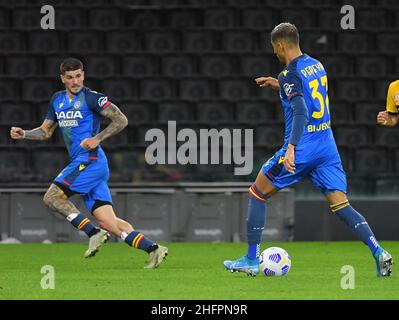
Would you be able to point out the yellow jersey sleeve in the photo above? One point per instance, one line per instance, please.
(393, 97)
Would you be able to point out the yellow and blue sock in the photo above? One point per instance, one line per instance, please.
(81, 222)
(255, 221)
(139, 241)
(357, 223)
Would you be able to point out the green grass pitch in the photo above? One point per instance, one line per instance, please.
(192, 271)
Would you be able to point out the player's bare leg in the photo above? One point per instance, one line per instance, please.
(340, 206)
(108, 220)
(259, 192)
(57, 200)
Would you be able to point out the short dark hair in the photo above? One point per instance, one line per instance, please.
(285, 31)
(70, 64)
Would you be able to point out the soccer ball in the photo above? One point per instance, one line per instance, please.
(274, 261)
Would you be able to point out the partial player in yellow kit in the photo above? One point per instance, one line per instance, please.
(390, 117)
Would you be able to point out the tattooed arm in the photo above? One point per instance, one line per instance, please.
(118, 123)
(44, 132)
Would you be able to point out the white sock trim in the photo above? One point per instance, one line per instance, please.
(72, 216)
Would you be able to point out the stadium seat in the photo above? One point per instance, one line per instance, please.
(375, 19)
(341, 112)
(347, 158)
(337, 65)
(117, 140)
(14, 113)
(13, 164)
(4, 18)
(23, 66)
(317, 41)
(257, 18)
(8, 89)
(303, 17)
(85, 41)
(388, 137)
(123, 41)
(239, 41)
(109, 18)
(366, 112)
(123, 163)
(46, 42)
(388, 3)
(118, 89)
(48, 162)
(26, 18)
(223, 18)
(387, 43)
(180, 111)
(69, 19)
(387, 186)
(12, 41)
(161, 41)
(352, 90)
(195, 89)
(351, 136)
(354, 43)
(35, 90)
(396, 160)
(144, 19)
(372, 66)
(329, 19)
(157, 89)
(255, 65)
(269, 136)
(235, 89)
(140, 65)
(359, 186)
(138, 112)
(101, 66)
(200, 41)
(372, 161)
(218, 65)
(215, 112)
(249, 112)
(178, 66)
(380, 86)
(52, 65)
(184, 19)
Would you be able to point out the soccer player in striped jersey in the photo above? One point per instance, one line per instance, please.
(309, 150)
(77, 111)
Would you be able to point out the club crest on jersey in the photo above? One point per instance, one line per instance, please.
(102, 101)
(288, 88)
(77, 105)
(69, 118)
(396, 98)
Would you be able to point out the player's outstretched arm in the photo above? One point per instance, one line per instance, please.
(386, 119)
(44, 132)
(268, 82)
